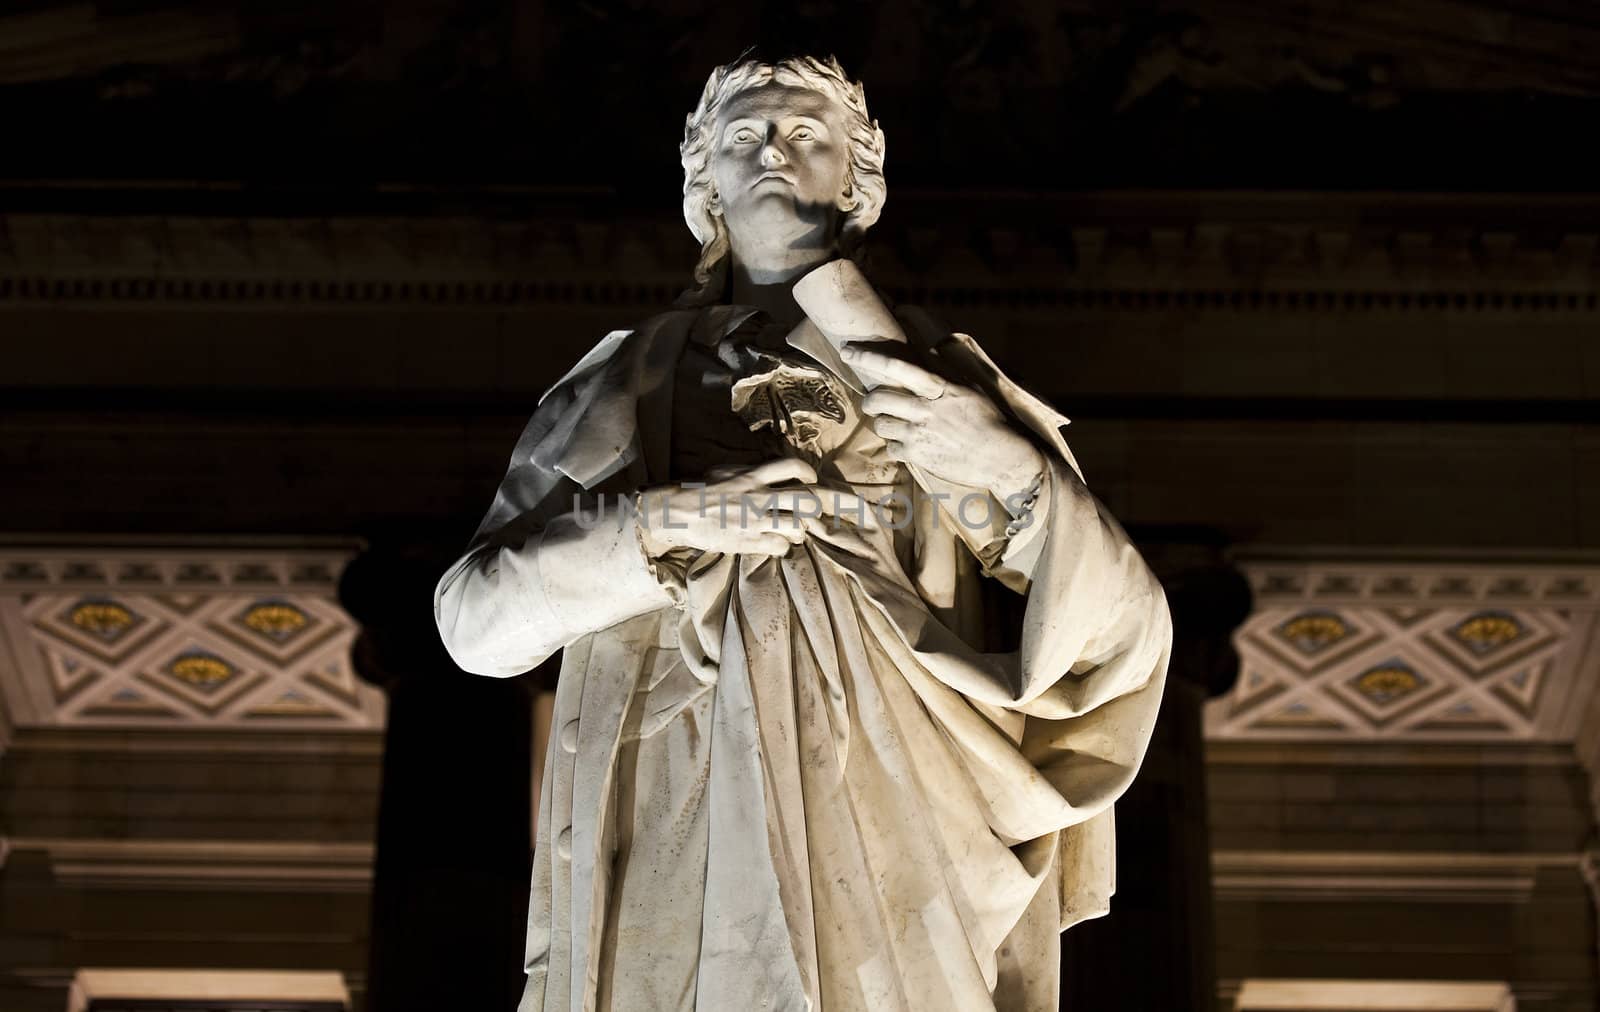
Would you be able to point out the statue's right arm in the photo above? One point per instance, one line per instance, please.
(540, 573)
(518, 597)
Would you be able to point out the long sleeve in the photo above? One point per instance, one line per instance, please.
(1006, 551)
(1056, 730)
(503, 608)
(1094, 607)
(543, 570)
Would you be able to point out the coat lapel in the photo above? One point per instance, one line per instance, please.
(622, 414)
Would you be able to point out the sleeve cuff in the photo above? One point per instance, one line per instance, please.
(1025, 533)
(594, 570)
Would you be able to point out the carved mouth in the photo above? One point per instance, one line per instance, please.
(774, 175)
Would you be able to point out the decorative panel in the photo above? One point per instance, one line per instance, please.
(179, 637)
(1411, 651)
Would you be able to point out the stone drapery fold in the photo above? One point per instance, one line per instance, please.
(799, 780)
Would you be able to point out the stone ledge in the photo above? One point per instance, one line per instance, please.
(1249, 251)
(210, 865)
(1342, 877)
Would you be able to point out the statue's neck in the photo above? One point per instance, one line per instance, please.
(767, 263)
(772, 290)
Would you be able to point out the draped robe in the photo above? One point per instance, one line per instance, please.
(804, 782)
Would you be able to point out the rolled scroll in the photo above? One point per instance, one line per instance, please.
(838, 299)
(841, 307)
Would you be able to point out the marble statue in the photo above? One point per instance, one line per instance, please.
(854, 664)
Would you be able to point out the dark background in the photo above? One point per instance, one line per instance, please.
(1310, 274)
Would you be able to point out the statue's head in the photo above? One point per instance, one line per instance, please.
(828, 161)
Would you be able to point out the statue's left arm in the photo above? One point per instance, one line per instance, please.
(1096, 631)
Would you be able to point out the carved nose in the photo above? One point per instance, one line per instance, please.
(771, 157)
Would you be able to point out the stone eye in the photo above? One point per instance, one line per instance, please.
(744, 135)
(803, 134)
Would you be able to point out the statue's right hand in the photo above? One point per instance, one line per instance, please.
(757, 511)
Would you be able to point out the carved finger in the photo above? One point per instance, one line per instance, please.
(774, 544)
(888, 401)
(788, 526)
(853, 507)
(844, 538)
(777, 472)
(893, 371)
(802, 502)
(790, 508)
(892, 428)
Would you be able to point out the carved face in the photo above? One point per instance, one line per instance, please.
(780, 161)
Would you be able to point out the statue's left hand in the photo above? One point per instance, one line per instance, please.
(946, 428)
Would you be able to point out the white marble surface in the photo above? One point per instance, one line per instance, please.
(788, 771)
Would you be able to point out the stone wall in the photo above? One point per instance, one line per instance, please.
(1423, 862)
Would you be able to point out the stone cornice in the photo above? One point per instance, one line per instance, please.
(1317, 92)
(365, 746)
(1343, 876)
(1119, 251)
(1571, 583)
(247, 569)
(1367, 754)
(208, 865)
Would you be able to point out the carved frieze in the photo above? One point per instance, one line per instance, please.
(1115, 251)
(1091, 95)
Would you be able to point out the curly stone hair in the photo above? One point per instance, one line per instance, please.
(863, 181)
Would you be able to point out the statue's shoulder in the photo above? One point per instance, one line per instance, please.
(620, 346)
(960, 354)
(931, 334)
(676, 317)
(923, 329)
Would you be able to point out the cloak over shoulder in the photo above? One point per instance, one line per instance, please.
(1012, 759)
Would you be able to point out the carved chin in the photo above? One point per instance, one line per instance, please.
(777, 210)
